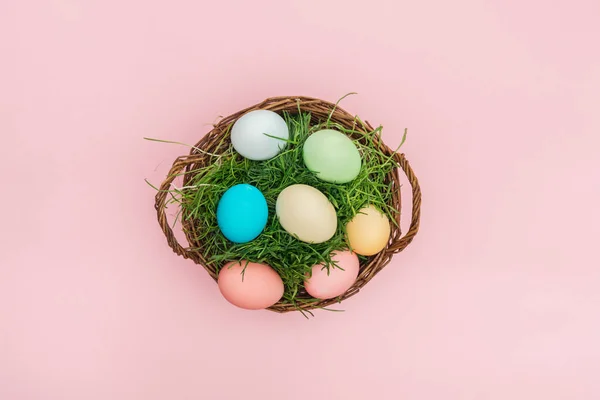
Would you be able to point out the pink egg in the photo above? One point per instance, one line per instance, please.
(325, 284)
(258, 287)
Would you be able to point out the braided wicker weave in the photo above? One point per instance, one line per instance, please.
(320, 110)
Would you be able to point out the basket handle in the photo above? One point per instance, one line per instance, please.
(181, 162)
(161, 205)
(416, 206)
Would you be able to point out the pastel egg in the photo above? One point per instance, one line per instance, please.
(306, 213)
(333, 281)
(242, 213)
(259, 135)
(248, 285)
(332, 155)
(369, 231)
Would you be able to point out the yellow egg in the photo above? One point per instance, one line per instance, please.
(306, 213)
(369, 231)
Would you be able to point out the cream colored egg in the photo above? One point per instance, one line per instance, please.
(306, 213)
(369, 231)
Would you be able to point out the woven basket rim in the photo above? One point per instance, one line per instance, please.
(213, 142)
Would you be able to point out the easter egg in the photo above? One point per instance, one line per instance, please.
(242, 213)
(259, 135)
(327, 282)
(332, 156)
(251, 286)
(369, 231)
(306, 213)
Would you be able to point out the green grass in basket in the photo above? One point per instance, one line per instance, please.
(291, 258)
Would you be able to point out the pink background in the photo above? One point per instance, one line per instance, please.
(498, 297)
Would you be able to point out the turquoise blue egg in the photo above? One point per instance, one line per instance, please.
(242, 213)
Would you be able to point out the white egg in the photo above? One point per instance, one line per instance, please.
(259, 135)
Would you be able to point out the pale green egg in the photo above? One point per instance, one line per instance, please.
(332, 156)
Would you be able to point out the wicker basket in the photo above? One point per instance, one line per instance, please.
(320, 110)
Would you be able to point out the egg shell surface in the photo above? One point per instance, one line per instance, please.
(305, 212)
(249, 135)
(369, 231)
(327, 282)
(332, 156)
(258, 287)
(242, 213)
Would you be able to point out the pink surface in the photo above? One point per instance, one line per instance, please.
(496, 299)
